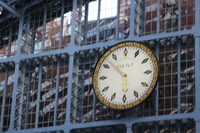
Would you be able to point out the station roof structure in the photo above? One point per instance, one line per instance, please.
(15, 8)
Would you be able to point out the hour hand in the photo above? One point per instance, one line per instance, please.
(125, 88)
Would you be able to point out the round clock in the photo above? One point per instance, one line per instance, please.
(125, 75)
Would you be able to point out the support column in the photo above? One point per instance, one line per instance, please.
(128, 128)
(197, 65)
(4, 99)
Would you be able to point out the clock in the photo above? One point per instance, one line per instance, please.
(125, 75)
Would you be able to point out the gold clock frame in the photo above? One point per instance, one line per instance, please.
(104, 56)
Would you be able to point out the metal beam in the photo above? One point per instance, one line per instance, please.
(9, 8)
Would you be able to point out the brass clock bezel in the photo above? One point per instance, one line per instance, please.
(104, 56)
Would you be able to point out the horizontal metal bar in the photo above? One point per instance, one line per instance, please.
(128, 120)
(72, 48)
(162, 35)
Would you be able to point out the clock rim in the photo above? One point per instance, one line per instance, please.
(101, 59)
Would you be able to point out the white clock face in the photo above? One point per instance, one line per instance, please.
(125, 75)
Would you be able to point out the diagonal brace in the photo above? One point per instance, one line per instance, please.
(9, 8)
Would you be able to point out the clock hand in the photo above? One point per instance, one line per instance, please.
(119, 70)
(125, 88)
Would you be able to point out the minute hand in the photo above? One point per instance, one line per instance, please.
(117, 68)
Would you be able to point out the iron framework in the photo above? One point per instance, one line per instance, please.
(48, 49)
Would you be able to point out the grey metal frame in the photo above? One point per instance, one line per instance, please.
(72, 49)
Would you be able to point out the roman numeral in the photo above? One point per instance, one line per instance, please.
(106, 66)
(135, 93)
(144, 84)
(125, 52)
(145, 60)
(102, 77)
(147, 72)
(113, 96)
(114, 56)
(105, 89)
(124, 98)
(136, 53)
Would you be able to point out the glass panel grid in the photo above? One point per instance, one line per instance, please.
(6, 88)
(187, 14)
(169, 18)
(187, 76)
(82, 93)
(48, 28)
(147, 22)
(8, 41)
(172, 126)
(41, 101)
(97, 22)
(168, 79)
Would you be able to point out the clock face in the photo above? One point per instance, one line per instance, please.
(125, 75)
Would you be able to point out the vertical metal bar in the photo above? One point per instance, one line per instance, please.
(155, 127)
(79, 22)
(98, 21)
(117, 20)
(140, 18)
(57, 91)
(157, 87)
(44, 28)
(197, 64)
(94, 96)
(71, 63)
(197, 12)
(158, 17)
(86, 23)
(76, 92)
(61, 23)
(21, 99)
(179, 14)
(14, 94)
(28, 98)
(38, 94)
(197, 55)
(26, 34)
(143, 17)
(178, 127)
(94, 108)
(129, 129)
(197, 83)
(72, 42)
(33, 41)
(16, 73)
(82, 86)
(10, 39)
(21, 21)
(69, 89)
(179, 77)
(197, 127)
(4, 99)
(157, 92)
(132, 19)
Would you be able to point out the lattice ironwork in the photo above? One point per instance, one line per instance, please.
(48, 57)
